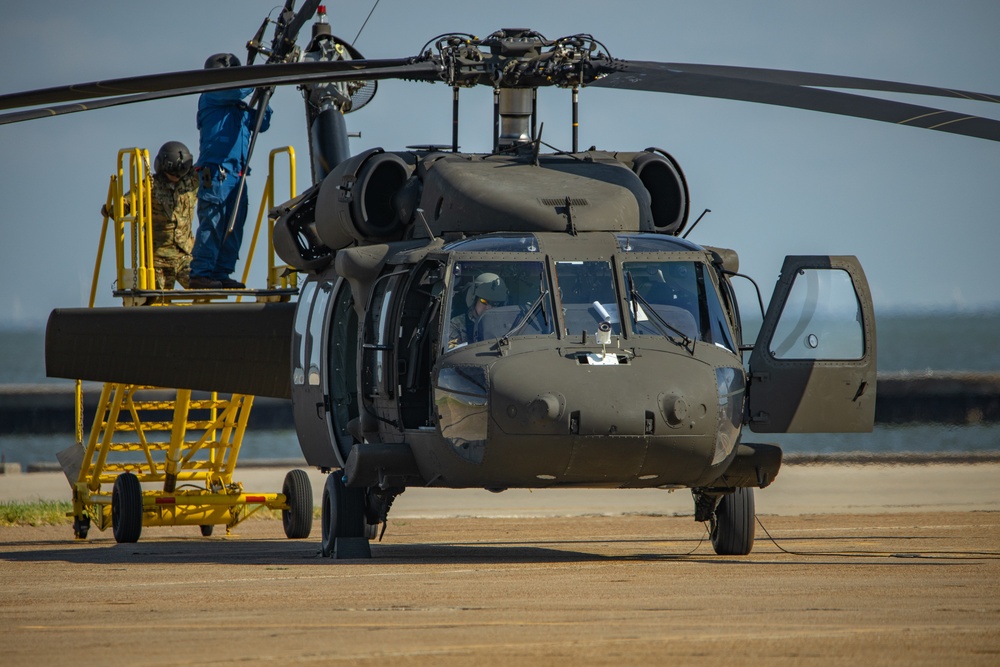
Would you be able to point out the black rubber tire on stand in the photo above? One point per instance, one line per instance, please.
(297, 519)
(81, 526)
(126, 508)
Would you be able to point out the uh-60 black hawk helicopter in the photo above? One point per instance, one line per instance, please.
(516, 319)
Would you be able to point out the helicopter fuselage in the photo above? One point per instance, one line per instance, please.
(553, 333)
(547, 403)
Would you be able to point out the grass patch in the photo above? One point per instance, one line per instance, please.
(36, 513)
(275, 515)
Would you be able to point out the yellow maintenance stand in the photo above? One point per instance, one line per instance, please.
(163, 457)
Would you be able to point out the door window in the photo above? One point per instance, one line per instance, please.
(342, 355)
(379, 345)
(300, 331)
(316, 330)
(821, 318)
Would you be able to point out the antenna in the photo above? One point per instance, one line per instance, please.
(423, 221)
(691, 228)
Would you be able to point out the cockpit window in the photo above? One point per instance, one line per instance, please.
(491, 300)
(497, 243)
(587, 292)
(680, 295)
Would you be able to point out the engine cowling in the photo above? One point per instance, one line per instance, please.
(356, 201)
(668, 191)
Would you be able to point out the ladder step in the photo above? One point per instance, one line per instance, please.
(162, 446)
(167, 426)
(200, 404)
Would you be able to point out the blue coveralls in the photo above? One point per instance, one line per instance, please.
(225, 123)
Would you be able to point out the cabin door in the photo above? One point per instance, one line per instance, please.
(812, 369)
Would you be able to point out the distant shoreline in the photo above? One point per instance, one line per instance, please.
(934, 397)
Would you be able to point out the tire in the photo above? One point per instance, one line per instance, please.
(297, 519)
(732, 524)
(343, 512)
(126, 508)
(81, 526)
(206, 529)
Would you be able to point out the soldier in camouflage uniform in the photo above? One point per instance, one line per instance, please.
(174, 198)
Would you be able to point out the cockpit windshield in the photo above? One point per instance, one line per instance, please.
(587, 292)
(489, 300)
(678, 297)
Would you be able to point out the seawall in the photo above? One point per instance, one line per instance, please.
(920, 397)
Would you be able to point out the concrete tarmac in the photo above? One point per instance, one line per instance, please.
(868, 565)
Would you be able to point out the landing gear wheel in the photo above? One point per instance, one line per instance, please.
(297, 519)
(343, 514)
(732, 524)
(126, 508)
(206, 529)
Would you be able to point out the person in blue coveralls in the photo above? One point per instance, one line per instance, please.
(225, 124)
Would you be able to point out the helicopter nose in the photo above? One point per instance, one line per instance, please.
(632, 399)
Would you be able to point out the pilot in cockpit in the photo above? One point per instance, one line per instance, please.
(486, 291)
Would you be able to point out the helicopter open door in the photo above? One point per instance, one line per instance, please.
(812, 369)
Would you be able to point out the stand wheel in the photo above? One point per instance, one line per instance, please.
(297, 519)
(126, 508)
(206, 530)
(81, 526)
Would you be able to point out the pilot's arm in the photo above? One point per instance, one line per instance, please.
(456, 331)
(460, 330)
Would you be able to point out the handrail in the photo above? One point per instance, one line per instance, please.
(276, 275)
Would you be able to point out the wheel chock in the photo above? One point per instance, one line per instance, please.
(351, 547)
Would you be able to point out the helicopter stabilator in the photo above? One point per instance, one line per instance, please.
(512, 319)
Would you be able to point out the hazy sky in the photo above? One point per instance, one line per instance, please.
(921, 209)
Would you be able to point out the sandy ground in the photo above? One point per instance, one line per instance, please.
(798, 489)
(905, 588)
(897, 566)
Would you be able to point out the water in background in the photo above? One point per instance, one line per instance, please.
(906, 342)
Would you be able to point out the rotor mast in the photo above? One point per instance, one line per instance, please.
(515, 62)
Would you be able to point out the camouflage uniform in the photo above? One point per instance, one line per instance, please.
(173, 206)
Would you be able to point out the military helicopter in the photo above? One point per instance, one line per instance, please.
(513, 319)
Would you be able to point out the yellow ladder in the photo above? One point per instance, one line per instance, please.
(168, 457)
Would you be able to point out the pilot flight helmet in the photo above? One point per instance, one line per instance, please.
(173, 158)
(222, 60)
(489, 287)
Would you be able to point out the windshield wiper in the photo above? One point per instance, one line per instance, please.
(661, 324)
(520, 324)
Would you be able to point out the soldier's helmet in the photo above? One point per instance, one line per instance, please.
(222, 60)
(173, 158)
(489, 287)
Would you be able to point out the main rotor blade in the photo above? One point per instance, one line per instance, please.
(793, 78)
(220, 78)
(312, 72)
(663, 78)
